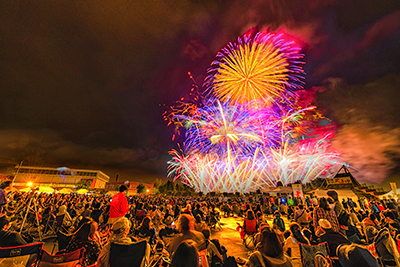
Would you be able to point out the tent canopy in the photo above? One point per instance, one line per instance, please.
(82, 191)
(65, 190)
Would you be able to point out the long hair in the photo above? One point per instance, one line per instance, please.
(185, 223)
(295, 230)
(250, 215)
(323, 203)
(185, 255)
(85, 232)
(145, 225)
(270, 244)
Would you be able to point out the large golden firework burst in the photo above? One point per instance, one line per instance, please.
(261, 66)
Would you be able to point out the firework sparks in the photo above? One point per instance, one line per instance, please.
(257, 66)
(251, 132)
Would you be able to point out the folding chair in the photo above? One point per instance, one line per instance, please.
(315, 256)
(248, 236)
(59, 222)
(25, 255)
(62, 241)
(70, 259)
(134, 255)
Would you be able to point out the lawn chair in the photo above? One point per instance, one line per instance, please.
(62, 241)
(71, 259)
(386, 248)
(134, 255)
(24, 255)
(315, 256)
(248, 235)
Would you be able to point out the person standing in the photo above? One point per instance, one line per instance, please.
(119, 205)
(3, 195)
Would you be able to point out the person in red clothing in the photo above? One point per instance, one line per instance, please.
(119, 205)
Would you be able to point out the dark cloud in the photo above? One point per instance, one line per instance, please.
(81, 83)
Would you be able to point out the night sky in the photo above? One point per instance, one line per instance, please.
(83, 84)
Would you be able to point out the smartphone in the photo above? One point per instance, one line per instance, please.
(200, 260)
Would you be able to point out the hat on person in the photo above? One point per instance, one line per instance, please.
(4, 220)
(169, 220)
(324, 224)
(121, 226)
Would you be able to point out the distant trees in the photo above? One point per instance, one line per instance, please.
(176, 189)
(141, 188)
(83, 184)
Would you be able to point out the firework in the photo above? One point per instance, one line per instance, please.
(250, 132)
(257, 66)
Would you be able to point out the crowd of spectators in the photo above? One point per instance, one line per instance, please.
(178, 229)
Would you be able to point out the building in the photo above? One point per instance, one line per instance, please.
(112, 186)
(57, 177)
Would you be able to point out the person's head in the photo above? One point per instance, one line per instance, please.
(5, 184)
(168, 221)
(62, 209)
(270, 244)
(120, 228)
(301, 206)
(389, 216)
(123, 188)
(85, 232)
(333, 194)
(185, 223)
(185, 255)
(277, 213)
(295, 230)
(198, 218)
(323, 203)
(4, 222)
(146, 223)
(250, 215)
(206, 233)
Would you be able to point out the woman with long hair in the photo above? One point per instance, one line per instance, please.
(292, 243)
(323, 211)
(269, 252)
(84, 237)
(185, 255)
(147, 230)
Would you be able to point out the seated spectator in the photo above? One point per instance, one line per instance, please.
(301, 216)
(9, 238)
(187, 210)
(120, 231)
(269, 252)
(325, 233)
(278, 222)
(250, 223)
(185, 226)
(197, 210)
(169, 230)
(323, 211)
(85, 238)
(87, 212)
(391, 222)
(146, 230)
(213, 253)
(186, 255)
(200, 225)
(67, 222)
(292, 243)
